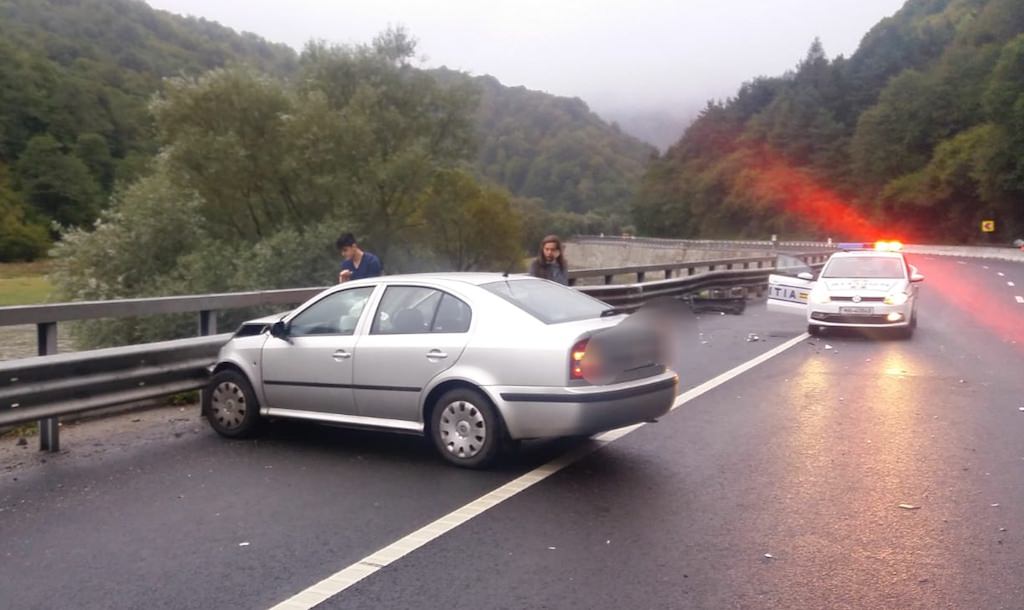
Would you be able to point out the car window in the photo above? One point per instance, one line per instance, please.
(865, 267)
(453, 316)
(548, 302)
(406, 310)
(791, 266)
(336, 314)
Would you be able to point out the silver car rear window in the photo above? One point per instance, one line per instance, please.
(548, 302)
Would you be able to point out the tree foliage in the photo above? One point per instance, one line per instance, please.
(257, 175)
(918, 132)
(75, 81)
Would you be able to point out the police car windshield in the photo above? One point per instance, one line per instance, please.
(865, 267)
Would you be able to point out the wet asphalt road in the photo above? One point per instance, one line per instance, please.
(805, 458)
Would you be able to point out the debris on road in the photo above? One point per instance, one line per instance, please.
(21, 441)
(769, 556)
(552, 548)
(909, 507)
(827, 346)
(243, 544)
(996, 505)
(752, 337)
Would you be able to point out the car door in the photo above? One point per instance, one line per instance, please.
(311, 369)
(790, 285)
(417, 332)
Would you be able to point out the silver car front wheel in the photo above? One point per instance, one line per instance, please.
(230, 405)
(466, 429)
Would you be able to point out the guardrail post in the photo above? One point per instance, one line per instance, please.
(668, 274)
(608, 279)
(207, 322)
(640, 276)
(46, 343)
(689, 271)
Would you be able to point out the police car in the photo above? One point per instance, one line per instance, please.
(862, 285)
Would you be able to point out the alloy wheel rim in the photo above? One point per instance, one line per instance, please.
(228, 405)
(463, 429)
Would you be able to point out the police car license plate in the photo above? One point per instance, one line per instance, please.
(855, 310)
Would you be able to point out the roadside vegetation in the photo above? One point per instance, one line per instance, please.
(919, 134)
(24, 283)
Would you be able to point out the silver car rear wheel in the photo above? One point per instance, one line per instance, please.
(463, 429)
(466, 428)
(230, 405)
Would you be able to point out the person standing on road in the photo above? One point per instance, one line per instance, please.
(356, 264)
(550, 262)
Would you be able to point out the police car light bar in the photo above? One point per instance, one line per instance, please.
(880, 246)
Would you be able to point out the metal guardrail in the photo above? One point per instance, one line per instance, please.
(50, 385)
(46, 317)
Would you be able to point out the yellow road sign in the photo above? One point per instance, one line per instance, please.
(988, 226)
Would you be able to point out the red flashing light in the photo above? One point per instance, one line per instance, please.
(888, 246)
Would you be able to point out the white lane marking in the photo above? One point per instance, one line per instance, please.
(1010, 284)
(1019, 299)
(345, 578)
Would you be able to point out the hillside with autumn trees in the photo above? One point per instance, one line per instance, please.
(920, 134)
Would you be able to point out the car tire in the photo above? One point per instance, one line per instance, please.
(230, 405)
(466, 428)
(814, 330)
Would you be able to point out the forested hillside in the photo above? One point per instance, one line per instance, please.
(920, 133)
(77, 78)
(556, 149)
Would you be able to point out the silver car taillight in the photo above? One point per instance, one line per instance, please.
(576, 355)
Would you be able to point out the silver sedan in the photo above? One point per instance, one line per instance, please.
(471, 360)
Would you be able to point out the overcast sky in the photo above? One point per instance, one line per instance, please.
(643, 55)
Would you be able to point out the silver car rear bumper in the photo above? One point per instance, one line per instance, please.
(532, 412)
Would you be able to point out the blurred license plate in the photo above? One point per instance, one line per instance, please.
(855, 310)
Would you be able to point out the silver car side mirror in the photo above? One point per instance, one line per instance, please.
(916, 277)
(279, 330)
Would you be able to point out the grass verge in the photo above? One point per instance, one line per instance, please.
(24, 283)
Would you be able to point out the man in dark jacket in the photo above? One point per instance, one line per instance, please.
(356, 264)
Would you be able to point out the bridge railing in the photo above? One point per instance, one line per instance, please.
(47, 386)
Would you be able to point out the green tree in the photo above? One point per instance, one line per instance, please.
(56, 184)
(20, 238)
(92, 150)
(472, 227)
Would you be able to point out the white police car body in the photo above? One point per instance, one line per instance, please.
(857, 287)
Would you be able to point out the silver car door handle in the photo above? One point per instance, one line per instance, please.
(436, 353)
(341, 355)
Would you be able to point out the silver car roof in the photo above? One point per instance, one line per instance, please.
(474, 278)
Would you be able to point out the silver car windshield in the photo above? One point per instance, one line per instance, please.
(548, 302)
(865, 267)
